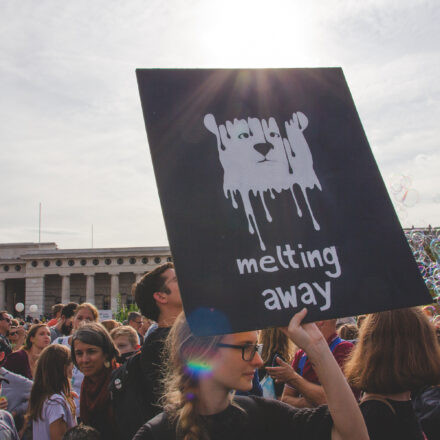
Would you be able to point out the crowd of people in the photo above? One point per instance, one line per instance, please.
(375, 376)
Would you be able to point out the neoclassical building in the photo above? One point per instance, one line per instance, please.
(42, 274)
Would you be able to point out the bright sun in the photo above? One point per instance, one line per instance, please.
(242, 34)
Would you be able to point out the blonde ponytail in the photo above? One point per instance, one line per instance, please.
(188, 424)
(181, 383)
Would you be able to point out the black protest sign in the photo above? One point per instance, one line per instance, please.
(272, 198)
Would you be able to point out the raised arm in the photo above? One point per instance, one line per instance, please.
(347, 418)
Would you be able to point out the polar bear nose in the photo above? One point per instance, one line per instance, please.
(263, 148)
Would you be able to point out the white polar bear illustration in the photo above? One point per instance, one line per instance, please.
(255, 157)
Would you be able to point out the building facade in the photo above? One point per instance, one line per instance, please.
(41, 274)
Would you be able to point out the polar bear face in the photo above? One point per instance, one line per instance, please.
(256, 158)
(252, 153)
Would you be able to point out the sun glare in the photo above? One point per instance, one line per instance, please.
(242, 34)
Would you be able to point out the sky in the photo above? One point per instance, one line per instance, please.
(72, 135)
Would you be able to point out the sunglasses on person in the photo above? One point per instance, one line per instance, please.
(247, 350)
(4, 318)
(13, 333)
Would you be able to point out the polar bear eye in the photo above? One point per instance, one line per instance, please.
(243, 135)
(274, 135)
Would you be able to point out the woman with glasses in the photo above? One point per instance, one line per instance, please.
(17, 336)
(202, 371)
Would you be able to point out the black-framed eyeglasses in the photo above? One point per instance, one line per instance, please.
(247, 350)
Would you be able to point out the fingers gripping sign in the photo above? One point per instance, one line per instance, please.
(305, 336)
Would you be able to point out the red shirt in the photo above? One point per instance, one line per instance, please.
(340, 353)
(52, 322)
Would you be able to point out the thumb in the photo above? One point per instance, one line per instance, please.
(297, 318)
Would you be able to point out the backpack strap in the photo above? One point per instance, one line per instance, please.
(332, 346)
(335, 343)
(378, 398)
(301, 363)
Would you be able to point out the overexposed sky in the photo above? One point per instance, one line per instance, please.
(72, 134)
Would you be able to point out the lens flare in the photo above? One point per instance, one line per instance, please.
(198, 368)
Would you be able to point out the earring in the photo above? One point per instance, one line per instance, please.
(107, 364)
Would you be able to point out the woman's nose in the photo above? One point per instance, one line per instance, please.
(257, 361)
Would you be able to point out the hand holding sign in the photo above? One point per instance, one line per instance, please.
(305, 336)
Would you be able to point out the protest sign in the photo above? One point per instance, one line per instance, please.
(272, 198)
(105, 314)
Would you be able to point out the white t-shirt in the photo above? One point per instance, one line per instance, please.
(54, 408)
(77, 376)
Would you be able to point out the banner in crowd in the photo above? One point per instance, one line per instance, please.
(105, 315)
(272, 198)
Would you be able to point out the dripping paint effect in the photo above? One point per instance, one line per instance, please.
(298, 209)
(315, 223)
(268, 216)
(252, 222)
(234, 202)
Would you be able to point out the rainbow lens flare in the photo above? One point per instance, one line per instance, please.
(198, 368)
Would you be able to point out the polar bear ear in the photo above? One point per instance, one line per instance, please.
(302, 120)
(211, 125)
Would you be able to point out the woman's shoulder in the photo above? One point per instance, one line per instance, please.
(383, 409)
(158, 427)
(56, 399)
(19, 354)
(17, 360)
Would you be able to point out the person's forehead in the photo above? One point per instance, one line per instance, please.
(122, 339)
(43, 330)
(241, 338)
(80, 345)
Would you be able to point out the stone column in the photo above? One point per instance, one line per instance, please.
(114, 292)
(34, 295)
(138, 276)
(3, 295)
(65, 289)
(90, 289)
